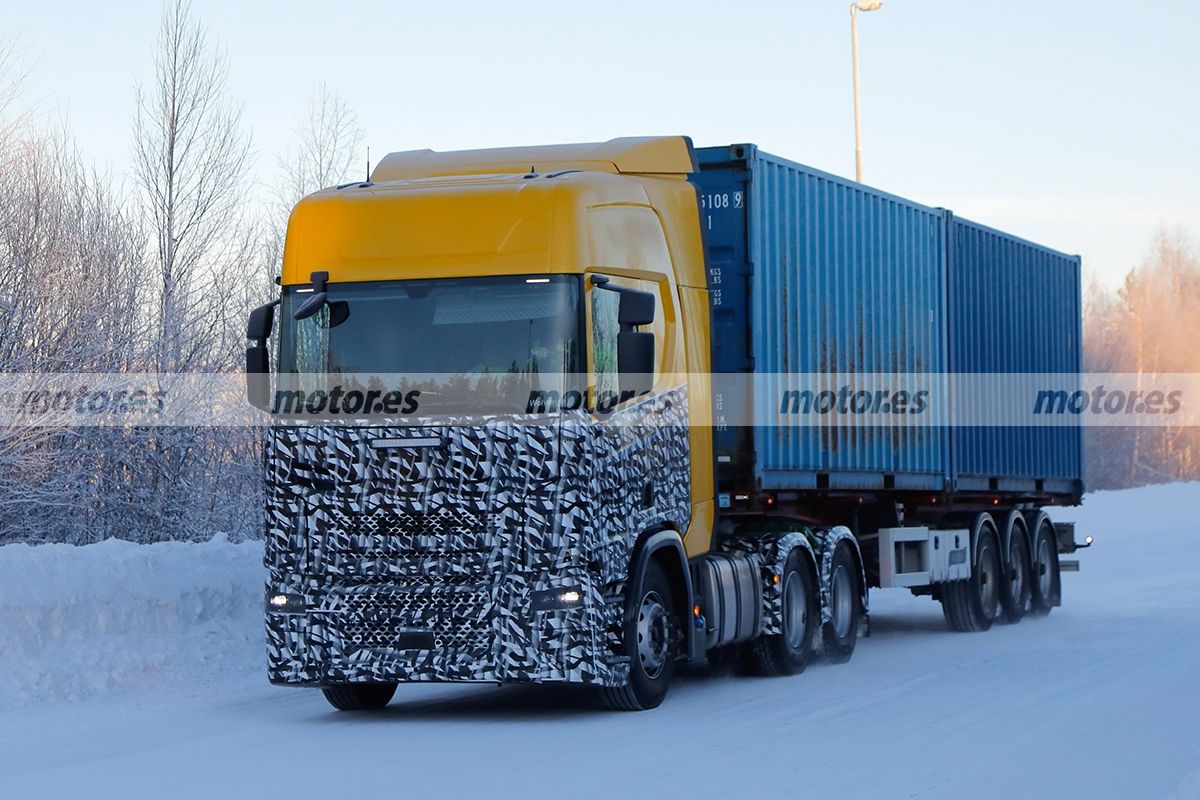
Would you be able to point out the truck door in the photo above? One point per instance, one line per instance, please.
(639, 444)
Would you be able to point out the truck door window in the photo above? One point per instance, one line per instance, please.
(603, 327)
(604, 342)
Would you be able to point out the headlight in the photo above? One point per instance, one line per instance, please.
(285, 603)
(556, 599)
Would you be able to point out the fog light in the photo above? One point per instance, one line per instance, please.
(556, 599)
(285, 603)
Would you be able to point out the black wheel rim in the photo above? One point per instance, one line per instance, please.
(841, 601)
(1045, 567)
(795, 610)
(987, 579)
(1019, 570)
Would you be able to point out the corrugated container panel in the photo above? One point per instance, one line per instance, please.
(1015, 307)
(843, 279)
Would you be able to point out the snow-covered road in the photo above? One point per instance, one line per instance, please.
(1101, 699)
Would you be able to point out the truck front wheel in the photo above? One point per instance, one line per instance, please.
(360, 696)
(651, 629)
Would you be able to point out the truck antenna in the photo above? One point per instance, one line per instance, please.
(368, 162)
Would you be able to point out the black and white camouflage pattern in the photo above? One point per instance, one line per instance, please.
(772, 551)
(829, 542)
(452, 539)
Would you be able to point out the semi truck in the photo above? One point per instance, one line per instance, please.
(524, 419)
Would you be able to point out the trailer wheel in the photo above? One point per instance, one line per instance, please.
(650, 638)
(840, 633)
(1017, 574)
(953, 604)
(1047, 582)
(974, 604)
(360, 696)
(789, 652)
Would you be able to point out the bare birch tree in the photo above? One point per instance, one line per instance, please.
(328, 140)
(190, 160)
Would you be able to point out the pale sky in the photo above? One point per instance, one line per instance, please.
(1071, 123)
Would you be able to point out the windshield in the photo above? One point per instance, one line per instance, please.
(467, 344)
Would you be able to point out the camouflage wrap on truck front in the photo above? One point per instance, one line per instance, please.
(448, 530)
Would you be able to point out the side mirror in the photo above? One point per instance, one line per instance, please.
(258, 360)
(635, 362)
(635, 349)
(636, 308)
(258, 376)
(261, 320)
(319, 296)
(311, 306)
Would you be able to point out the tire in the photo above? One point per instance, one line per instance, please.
(840, 634)
(789, 652)
(651, 642)
(973, 604)
(1047, 580)
(953, 603)
(360, 696)
(953, 598)
(1015, 597)
(956, 607)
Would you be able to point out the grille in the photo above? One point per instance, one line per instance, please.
(459, 619)
(388, 637)
(447, 543)
(395, 523)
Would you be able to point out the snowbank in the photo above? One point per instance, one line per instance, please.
(77, 622)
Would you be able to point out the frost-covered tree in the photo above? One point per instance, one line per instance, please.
(328, 139)
(191, 158)
(1149, 326)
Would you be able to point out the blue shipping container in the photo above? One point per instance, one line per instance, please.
(810, 273)
(1015, 307)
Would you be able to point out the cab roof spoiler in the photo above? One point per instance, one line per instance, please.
(634, 155)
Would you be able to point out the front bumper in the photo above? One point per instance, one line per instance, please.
(383, 633)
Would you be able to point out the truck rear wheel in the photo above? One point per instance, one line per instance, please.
(360, 696)
(1047, 586)
(840, 633)
(650, 632)
(788, 652)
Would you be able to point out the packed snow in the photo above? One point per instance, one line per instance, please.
(136, 671)
(82, 622)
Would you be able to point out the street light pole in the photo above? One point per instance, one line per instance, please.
(858, 153)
